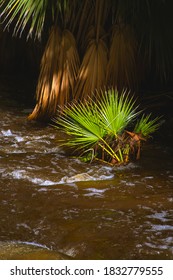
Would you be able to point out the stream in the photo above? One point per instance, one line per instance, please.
(61, 206)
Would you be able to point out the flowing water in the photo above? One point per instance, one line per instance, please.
(85, 211)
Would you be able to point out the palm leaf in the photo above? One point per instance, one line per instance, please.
(145, 126)
(26, 12)
(81, 121)
(116, 111)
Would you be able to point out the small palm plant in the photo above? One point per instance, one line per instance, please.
(105, 129)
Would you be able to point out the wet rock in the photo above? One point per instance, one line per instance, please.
(28, 251)
(77, 178)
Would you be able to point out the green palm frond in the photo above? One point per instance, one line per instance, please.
(26, 12)
(116, 111)
(81, 121)
(145, 126)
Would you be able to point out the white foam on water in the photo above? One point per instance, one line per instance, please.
(48, 183)
(19, 138)
(18, 174)
(95, 192)
(6, 133)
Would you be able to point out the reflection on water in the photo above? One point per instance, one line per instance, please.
(87, 211)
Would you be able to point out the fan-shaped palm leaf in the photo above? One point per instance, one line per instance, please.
(81, 121)
(116, 111)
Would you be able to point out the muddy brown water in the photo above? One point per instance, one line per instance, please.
(118, 213)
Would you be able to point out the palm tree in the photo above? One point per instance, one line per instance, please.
(92, 45)
(60, 60)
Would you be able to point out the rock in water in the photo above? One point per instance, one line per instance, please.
(28, 251)
(77, 178)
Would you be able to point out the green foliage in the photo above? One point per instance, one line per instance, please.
(98, 129)
(116, 112)
(26, 13)
(145, 126)
(81, 120)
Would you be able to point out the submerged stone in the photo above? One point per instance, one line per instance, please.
(77, 178)
(28, 251)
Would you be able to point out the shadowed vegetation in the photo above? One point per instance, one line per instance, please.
(92, 45)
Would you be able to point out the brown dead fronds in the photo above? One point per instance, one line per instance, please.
(92, 73)
(122, 65)
(59, 68)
